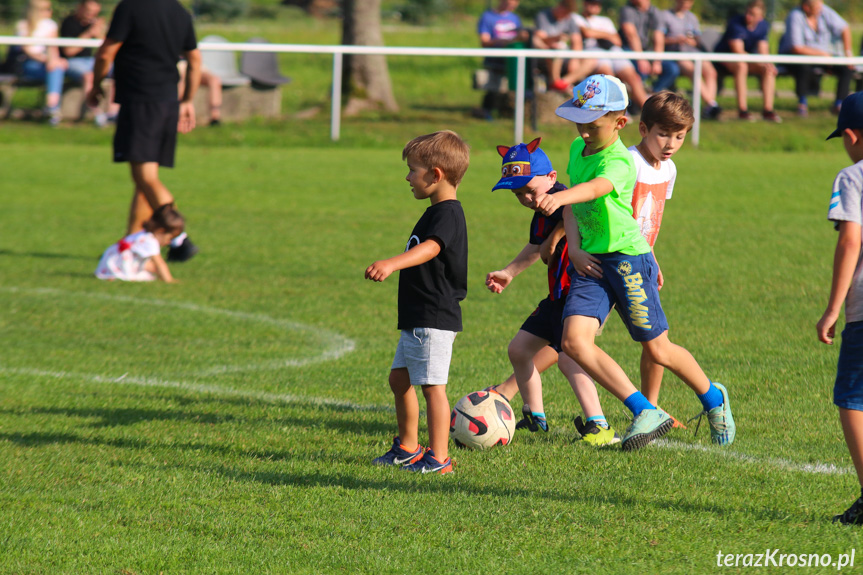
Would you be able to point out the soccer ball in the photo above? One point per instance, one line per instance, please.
(482, 419)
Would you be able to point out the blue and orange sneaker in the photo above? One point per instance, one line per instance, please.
(430, 464)
(399, 456)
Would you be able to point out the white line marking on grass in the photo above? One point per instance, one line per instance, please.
(815, 468)
(336, 344)
(268, 397)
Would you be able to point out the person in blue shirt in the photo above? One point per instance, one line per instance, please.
(747, 34)
(499, 28)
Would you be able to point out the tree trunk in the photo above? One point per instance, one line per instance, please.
(366, 80)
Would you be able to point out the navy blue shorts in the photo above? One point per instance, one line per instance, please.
(848, 390)
(628, 281)
(546, 322)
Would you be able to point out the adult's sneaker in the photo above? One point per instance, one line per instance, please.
(722, 427)
(183, 252)
(650, 424)
(398, 455)
(430, 464)
(592, 434)
(853, 515)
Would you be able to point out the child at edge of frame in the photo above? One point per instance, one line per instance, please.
(602, 172)
(432, 282)
(846, 213)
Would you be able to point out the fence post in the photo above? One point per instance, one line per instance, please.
(335, 122)
(519, 99)
(696, 101)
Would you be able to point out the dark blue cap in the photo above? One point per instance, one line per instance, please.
(850, 115)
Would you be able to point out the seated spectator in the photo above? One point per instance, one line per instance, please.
(599, 33)
(810, 30)
(43, 63)
(556, 30)
(641, 26)
(747, 34)
(83, 23)
(499, 28)
(214, 92)
(683, 34)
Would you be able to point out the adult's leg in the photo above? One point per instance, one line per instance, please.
(438, 417)
(407, 408)
(740, 72)
(214, 86)
(670, 72)
(843, 82)
(149, 188)
(636, 85)
(767, 74)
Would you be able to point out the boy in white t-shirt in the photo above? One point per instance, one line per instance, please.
(138, 257)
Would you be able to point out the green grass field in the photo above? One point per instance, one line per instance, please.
(226, 424)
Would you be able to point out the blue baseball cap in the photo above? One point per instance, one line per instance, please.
(594, 97)
(850, 115)
(521, 163)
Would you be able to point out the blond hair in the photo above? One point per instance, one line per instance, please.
(445, 150)
(34, 14)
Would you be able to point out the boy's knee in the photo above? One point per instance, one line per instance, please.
(572, 347)
(400, 380)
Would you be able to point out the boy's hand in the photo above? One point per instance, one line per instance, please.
(379, 271)
(546, 205)
(497, 281)
(547, 248)
(585, 264)
(660, 279)
(826, 327)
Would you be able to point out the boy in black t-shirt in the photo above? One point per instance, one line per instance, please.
(432, 282)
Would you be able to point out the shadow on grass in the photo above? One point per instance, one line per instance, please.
(44, 255)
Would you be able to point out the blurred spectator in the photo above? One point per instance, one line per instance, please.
(599, 33)
(499, 28)
(641, 26)
(214, 92)
(683, 34)
(556, 30)
(747, 34)
(83, 23)
(43, 63)
(811, 29)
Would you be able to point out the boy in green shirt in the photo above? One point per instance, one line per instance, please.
(602, 173)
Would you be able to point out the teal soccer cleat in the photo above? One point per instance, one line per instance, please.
(649, 425)
(722, 427)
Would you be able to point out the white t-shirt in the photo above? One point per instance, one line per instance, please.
(652, 187)
(45, 28)
(601, 23)
(846, 205)
(126, 259)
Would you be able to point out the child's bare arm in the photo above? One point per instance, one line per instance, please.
(585, 264)
(844, 264)
(497, 281)
(417, 255)
(660, 279)
(548, 247)
(585, 192)
(162, 271)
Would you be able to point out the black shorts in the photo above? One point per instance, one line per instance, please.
(546, 322)
(147, 132)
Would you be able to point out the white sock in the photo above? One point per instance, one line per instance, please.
(178, 241)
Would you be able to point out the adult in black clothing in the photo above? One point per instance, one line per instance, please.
(144, 43)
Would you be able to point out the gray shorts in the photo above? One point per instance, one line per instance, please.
(426, 353)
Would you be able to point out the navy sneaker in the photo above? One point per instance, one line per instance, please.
(183, 252)
(430, 464)
(529, 422)
(398, 456)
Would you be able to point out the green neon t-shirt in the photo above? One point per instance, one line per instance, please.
(606, 223)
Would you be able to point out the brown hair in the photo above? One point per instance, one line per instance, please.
(668, 111)
(445, 150)
(756, 4)
(166, 218)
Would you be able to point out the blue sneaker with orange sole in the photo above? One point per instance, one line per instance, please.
(430, 464)
(397, 455)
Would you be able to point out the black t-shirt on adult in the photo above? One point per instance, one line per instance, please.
(72, 28)
(154, 34)
(429, 294)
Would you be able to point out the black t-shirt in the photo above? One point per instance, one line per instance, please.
(154, 33)
(72, 28)
(429, 294)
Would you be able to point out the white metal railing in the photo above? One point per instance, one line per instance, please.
(521, 55)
